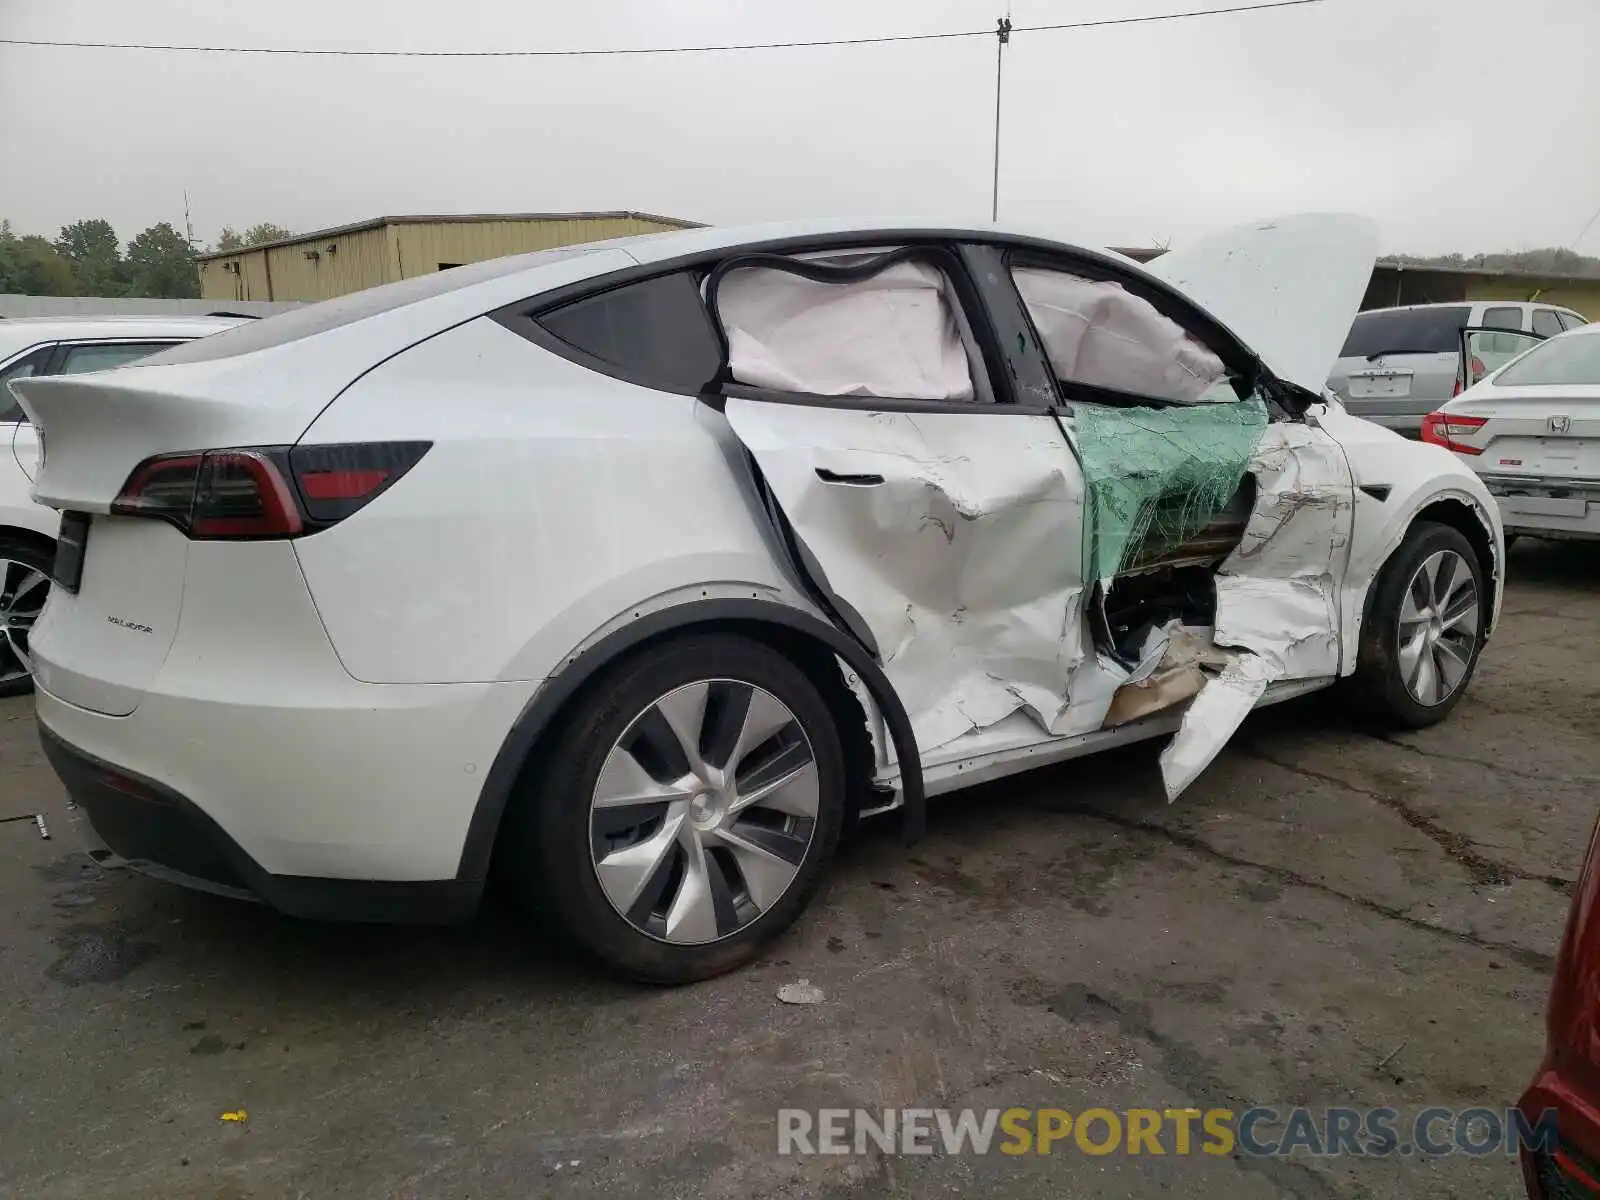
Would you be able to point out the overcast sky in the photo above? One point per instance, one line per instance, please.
(1458, 124)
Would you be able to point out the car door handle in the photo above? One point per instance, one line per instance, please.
(828, 476)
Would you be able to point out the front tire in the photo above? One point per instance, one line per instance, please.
(24, 585)
(687, 810)
(1424, 629)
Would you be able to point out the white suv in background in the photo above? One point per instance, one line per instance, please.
(640, 569)
(1399, 364)
(33, 346)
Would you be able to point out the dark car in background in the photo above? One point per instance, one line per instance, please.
(1399, 364)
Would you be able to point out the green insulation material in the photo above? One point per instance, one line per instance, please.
(1156, 476)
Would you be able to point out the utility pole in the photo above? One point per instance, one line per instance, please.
(1002, 33)
(188, 225)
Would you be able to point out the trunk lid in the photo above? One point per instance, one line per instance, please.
(1288, 287)
(100, 646)
(1550, 434)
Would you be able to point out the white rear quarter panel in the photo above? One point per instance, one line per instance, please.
(553, 500)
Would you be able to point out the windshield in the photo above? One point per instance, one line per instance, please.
(1561, 360)
(1406, 331)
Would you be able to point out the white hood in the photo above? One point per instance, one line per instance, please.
(1288, 287)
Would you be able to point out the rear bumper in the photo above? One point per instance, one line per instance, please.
(157, 832)
(251, 719)
(1404, 417)
(1546, 507)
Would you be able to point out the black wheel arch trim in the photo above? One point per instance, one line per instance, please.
(551, 698)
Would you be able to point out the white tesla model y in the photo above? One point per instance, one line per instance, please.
(638, 570)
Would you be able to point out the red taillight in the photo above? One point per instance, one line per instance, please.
(263, 492)
(1476, 369)
(341, 485)
(1442, 429)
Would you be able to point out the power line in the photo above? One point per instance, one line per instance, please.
(329, 52)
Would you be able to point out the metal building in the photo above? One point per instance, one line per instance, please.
(347, 258)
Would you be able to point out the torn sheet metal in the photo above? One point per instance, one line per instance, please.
(1213, 718)
(1097, 333)
(953, 536)
(893, 334)
(1156, 476)
(1276, 594)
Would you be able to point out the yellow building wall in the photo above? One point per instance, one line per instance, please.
(1579, 295)
(421, 247)
(342, 264)
(349, 262)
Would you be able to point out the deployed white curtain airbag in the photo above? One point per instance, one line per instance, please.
(891, 335)
(1099, 334)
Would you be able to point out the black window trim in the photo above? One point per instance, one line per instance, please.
(522, 319)
(521, 316)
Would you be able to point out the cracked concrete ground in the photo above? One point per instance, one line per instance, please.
(1327, 917)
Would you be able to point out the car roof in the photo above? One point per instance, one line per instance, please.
(20, 333)
(143, 325)
(1478, 303)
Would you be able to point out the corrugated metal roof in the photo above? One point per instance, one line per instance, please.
(1391, 264)
(450, 218)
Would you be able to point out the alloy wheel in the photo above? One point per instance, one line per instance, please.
(23, 589)
(1439, 625)
(704, 811)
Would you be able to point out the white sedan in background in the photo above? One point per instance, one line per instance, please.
(32, 347)
(1531, 430)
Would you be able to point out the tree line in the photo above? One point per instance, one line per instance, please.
(1548, 260)
(89, 260)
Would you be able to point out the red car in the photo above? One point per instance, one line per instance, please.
(1568, 1080)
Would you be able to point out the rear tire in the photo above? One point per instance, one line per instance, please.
(686, 811)
(1424, 629)
(24, 584)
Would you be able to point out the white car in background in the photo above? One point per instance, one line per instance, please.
(640, 569)
(37, 346)
(1531, 430)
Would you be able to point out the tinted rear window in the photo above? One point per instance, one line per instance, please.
(1406, 331)
(655, 332)
(1571, 359)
